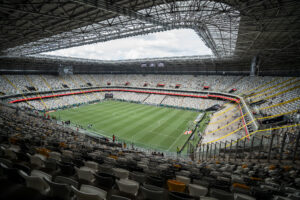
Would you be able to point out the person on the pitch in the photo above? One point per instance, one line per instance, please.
(114, 138)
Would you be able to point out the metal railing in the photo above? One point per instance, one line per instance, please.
(268, 146)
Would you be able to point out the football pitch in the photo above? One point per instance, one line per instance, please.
(149, 126)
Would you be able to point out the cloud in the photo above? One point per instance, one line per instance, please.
(183, 42)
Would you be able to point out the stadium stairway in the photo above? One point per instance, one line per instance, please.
(146, 97)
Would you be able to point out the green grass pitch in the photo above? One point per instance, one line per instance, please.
(149, 126)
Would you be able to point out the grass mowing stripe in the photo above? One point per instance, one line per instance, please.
(118, 118)
(181, 126)
(136, 128)
(97, 116)
(168, 128)
(157, 127)
(133, 121)
(82, 109)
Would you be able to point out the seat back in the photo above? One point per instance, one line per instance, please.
(51, 164)
(85, 196)
(197, 190)
(139, 177)
(180, 196)
(66, 169)
(68, 181)
(105, 181)
(155, 181)
(55, 155)
(10, 154)
(127, 187)
(35, 182)
(58, 190)
(7, 162)
(84, 174)
(152, 194)
(91, 164)
(35, 160)
(221, 194)
(183, 179)
(22, 167)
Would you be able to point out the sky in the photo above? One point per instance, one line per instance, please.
(182, 42)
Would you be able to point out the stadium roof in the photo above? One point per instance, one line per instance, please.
(235, 29)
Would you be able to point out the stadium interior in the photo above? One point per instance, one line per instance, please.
(208, 127)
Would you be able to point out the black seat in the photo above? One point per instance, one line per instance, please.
(12, 174)
(260, 193)
(154, 180)
(22, 157)
(22, 167)
(179, 196)
(78, 162)
(221, 194)
(104, 180)
(66, 169)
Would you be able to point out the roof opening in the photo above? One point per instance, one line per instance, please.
(182, 42)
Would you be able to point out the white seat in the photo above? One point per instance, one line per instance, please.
(128, 186)
(121, 173)
(36, 160)
(183, 179)
(85, 173)
(67, 153)
(36, 182)
(88, 192)
(91, 164)
(197, 190)
(55, 155)
(40, 174)
(239, 196)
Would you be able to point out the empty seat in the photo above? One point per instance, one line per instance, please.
(197, 190)
(121, 173)
(66, 180)
(106, 181)
(85, 173)
(138, 177)
(59, 190)
(36, 160)
(36, 182)
(221, 194)
(176, 186)
(88, 192)
(238, 196)
(128, 186)
(55, 155)
(152, 192)
(10, 154)
(91, 164)
(153, 180)
(183, 179)
(67, 169)
(180, 196)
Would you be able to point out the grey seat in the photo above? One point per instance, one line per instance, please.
(138, 177)
(69, 181)
(59, 190)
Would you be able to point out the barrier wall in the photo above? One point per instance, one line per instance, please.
(128, 90)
